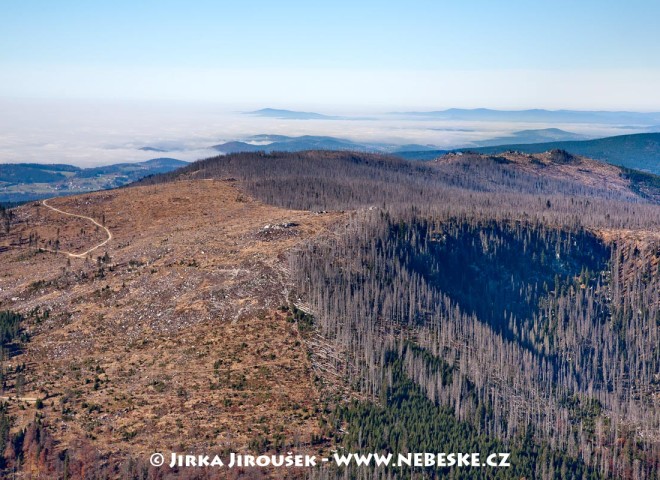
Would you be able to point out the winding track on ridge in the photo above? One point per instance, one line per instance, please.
(84, 254)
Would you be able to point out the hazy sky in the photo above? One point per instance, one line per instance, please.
(341, 55)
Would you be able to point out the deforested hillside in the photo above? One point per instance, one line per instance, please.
(516, 328)
(170, 336)
(516, 295)
(543, 187)
(322, 301)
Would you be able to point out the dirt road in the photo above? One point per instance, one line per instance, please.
(85, 253)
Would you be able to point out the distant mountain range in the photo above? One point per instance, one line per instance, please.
(533, 136)
(539, 115)
(283, 143)
(638, 151)
(153, 149)
(24, 182)
(636, 119)
(30, 181)
(291, 114)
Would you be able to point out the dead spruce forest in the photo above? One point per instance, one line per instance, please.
(474, 303)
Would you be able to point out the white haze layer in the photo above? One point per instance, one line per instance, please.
(100, 133)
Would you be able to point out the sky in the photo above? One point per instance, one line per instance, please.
(91, 83)
(336, 56)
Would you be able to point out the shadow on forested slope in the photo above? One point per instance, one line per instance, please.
(498, 272)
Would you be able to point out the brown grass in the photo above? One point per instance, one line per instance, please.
(176, 341)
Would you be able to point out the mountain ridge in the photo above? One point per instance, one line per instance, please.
(639, 151)
(291, 114)
(539, 115)
(532, 136)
